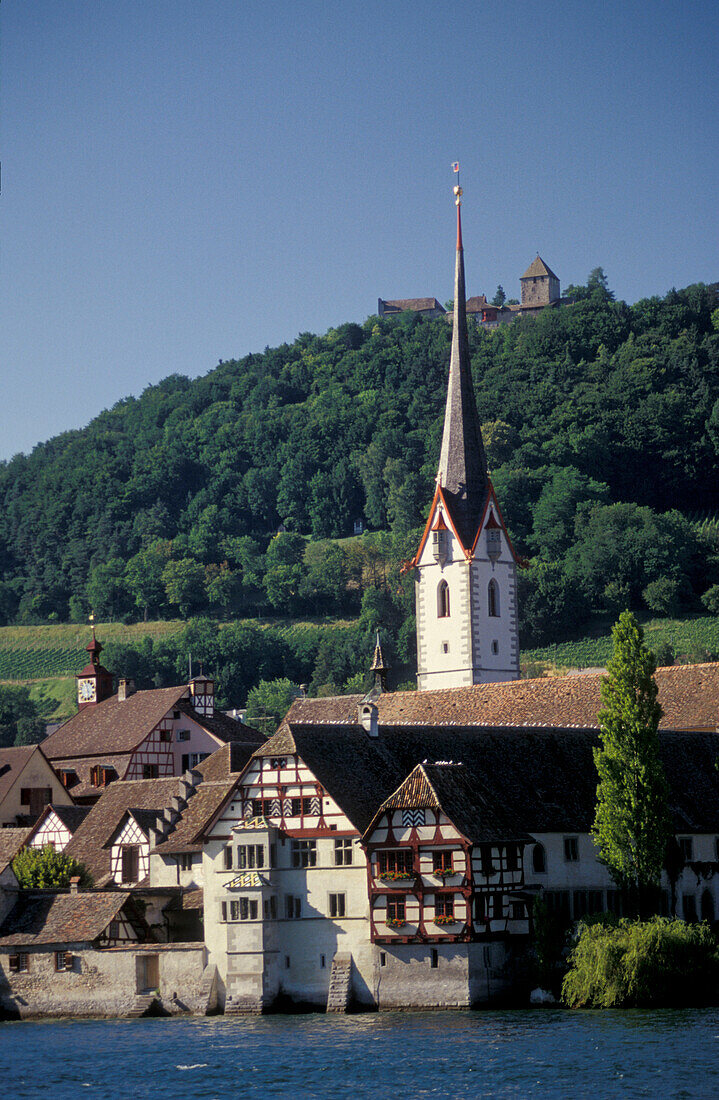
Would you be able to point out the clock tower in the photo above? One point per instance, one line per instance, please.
(94, 683)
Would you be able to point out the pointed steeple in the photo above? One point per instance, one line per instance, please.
(379, 666)
(462, 472)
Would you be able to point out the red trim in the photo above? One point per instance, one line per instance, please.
(492, 499)
(440, 525)
(438, 498)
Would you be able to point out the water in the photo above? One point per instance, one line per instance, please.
(542, 1053)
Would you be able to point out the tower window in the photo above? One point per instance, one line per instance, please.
(495, 647)
(443, 600)
(493, 599)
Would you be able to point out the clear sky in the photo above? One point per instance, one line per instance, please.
(187, 181)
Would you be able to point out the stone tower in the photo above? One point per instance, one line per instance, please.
(465, 567)
(540, 286)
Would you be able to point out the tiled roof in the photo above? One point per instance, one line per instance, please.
(201, 806)
(228, 760)
(12, 762)
(88, 844)
(536, 268)
(83, 765)
(223, 727)
(479, 302)
(462, 795)
(543, 779)
(415, 304)
(112, 726)
(71, 816)
(60, 918)
(689, 695)
(11, 841)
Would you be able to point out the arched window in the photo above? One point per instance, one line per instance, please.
(442, 600)
(493, 599)
(539, 859)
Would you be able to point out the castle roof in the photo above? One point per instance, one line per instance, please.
(538, 267)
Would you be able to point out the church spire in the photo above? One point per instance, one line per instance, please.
(462, 472)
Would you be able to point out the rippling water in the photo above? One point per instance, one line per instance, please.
(546, 1053)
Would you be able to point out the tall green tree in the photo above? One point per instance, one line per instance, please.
(632, 824)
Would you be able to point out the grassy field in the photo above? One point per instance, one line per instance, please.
(685, 636)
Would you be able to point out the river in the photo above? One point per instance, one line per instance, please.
(539, 1053)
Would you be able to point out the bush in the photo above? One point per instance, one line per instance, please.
(664, 595)
(46, 869)
(710, 599)
(656, 963)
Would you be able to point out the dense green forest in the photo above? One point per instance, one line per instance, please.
(601, 422)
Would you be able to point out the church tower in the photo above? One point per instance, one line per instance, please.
(465, 567)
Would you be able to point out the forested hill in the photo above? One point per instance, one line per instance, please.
(170, 499)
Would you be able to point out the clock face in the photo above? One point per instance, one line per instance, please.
(86, 691)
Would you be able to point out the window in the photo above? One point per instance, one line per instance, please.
(439, 544)
(293, 907)
(442, 600)
(382, 958)
(571, 849)
(513, 860)
(63, 960)
(434, 963)
(486, 860)
(322, 962)
(130, 863)
(337, 905)
(558, 903)
(185, 861)
(228, 857)
(244, 909)
(444, 905)
(343, 851)
(19, 964)
(183, 735)
(295, 807)
(395, 861)
(35, 796)
(166, 735)
(250, 856)
(517, 910)
(304, 853)
(307, 807)
(445, 647)
(223, 911)
(539, 859)
(493, 599)
(271, 908)
(68, 778)
(441, 861)
(150, 771)
(395, 909)
(689, 907)
(278, 762)
(234, 910)
(482, 907)
(495, 647)
(287, 962)
(686, 847)
(113, 930)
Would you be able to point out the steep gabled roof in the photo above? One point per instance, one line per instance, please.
(528, 779)
(223, 727)
(536, 268)
(61, 918)
(689, 696)
(89, 843)
(112, 726)
(462, 796)
(11, 841)
(201, 808)
(228, 760)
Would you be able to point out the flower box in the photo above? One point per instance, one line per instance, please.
(395, 922)
(444, 872)
(395, 876)
(445, 920)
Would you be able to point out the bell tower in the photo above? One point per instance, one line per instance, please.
(94, 683)
(465, 567)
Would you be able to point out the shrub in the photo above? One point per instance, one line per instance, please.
(642, 964)
(664, 595)
(710, 599)
(46, 869)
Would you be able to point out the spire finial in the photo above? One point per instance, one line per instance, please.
(458, 203)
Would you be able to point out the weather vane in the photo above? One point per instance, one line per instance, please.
(457, 188)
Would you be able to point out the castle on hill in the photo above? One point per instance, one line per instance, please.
(539, 289)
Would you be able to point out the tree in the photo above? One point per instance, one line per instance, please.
(285, 571)
(46, 869)
(632, 825)
(184, 582)
(20, 723)
(268, 703)
(500, 297)
(143, 577)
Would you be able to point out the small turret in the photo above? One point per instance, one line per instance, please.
(380, 667)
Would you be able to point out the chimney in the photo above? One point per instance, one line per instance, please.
(125, 688)
(74, 884)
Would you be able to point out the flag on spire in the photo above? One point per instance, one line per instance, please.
(455, 166)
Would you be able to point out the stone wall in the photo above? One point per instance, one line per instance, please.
(109, 982)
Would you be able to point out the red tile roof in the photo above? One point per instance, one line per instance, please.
(112, 726)
(11, 841)
(60, 918)
(689, 695)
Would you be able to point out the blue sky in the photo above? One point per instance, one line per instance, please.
(185, 182)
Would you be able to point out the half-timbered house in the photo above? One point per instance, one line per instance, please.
(134, 735)
(27, 784)
(56, 826)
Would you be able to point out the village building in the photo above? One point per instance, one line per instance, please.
(425, 307)
(27, 784)
(134, 735)
(56, 826)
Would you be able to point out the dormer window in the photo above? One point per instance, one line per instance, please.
(440, 540)
(494, 540)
